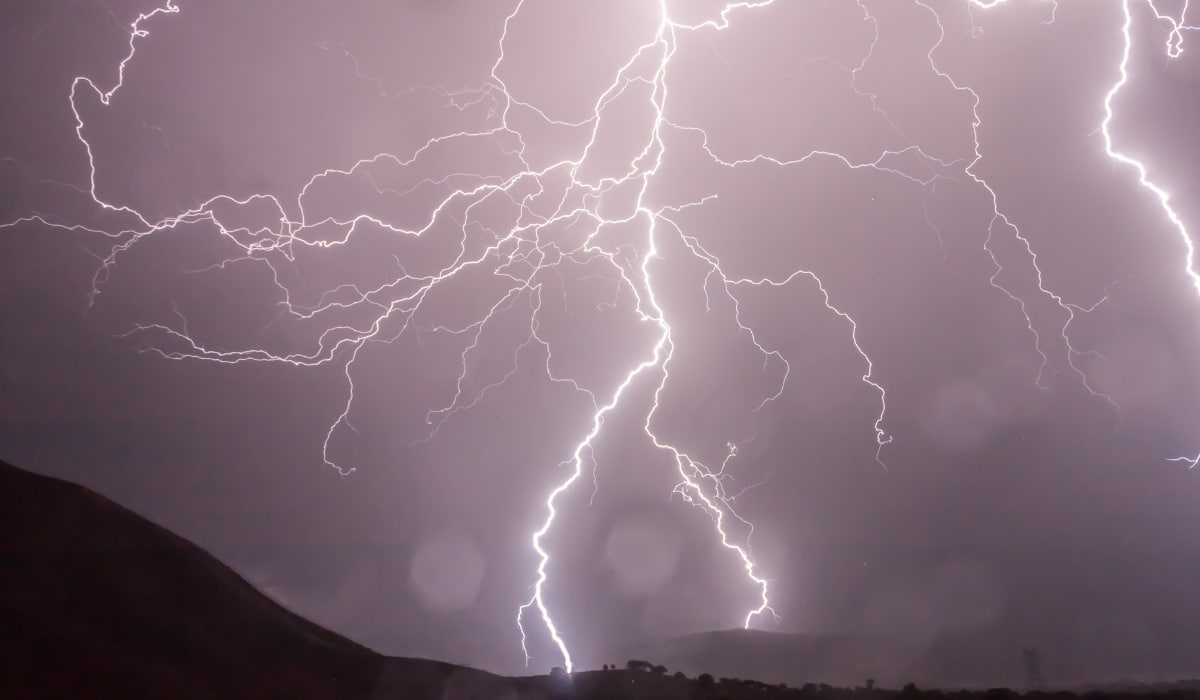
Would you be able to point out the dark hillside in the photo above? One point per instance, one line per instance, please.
(96, 601)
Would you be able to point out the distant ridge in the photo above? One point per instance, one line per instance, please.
(772, 657)
(950, 661)
(97, 602)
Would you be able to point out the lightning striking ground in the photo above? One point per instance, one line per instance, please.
(525, 252)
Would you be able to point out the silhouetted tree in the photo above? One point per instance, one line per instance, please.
(705, 680)
(560, 683)
(659, 670)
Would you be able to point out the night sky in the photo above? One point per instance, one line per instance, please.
(183, 331)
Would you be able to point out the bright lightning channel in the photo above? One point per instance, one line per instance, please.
(521, 256)
(1174, 50)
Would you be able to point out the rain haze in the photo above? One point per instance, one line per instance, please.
(844, 304)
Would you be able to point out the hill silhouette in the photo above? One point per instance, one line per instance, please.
(774, 657)
(961, 660)
(97, 602)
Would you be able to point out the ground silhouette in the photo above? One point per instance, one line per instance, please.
(97, 602)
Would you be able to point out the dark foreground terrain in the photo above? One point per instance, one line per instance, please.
(96, 602)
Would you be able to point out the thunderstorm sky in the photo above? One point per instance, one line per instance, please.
(342, 291)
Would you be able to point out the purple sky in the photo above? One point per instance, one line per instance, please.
(1025, 494)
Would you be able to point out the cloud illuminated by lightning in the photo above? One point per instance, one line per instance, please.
(524, 253)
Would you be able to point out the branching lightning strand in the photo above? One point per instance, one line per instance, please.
(521, 256)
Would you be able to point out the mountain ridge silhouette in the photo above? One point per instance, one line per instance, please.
(97, 601)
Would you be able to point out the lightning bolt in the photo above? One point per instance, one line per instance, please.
(545, 200)
(1001, 221)
(1174, 49)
